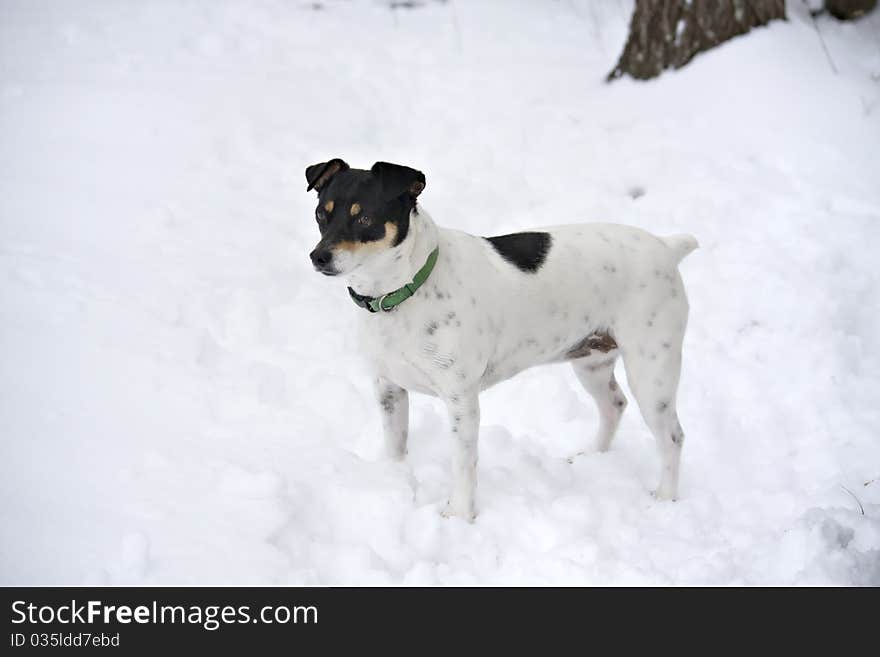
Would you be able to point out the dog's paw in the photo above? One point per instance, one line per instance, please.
(600, 448)
(450, 511)
(603, 445)
(664, 495)
(395, 456)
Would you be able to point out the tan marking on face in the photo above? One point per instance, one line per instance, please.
(328, 206)
(374, 246)
(355, 209)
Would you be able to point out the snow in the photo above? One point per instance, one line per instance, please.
(180, 397)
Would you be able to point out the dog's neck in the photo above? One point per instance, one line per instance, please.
(396, 267)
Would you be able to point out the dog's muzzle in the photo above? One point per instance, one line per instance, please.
(322, 259)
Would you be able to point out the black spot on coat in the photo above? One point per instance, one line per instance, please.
(526, 251)
(387, 401)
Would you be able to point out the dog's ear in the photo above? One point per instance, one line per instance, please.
(397, 180)
(319, 174)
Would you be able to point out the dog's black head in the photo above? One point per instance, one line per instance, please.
(361, 214)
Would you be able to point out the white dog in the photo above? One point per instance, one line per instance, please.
(451, 314)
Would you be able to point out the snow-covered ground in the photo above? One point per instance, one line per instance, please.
(180, 398)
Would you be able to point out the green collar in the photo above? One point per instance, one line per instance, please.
(388, 301)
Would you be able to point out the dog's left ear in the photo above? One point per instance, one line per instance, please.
(397, 180)
(317, 175)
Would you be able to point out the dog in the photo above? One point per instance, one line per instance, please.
(450, 314)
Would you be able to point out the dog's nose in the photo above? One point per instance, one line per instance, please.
(321, 258)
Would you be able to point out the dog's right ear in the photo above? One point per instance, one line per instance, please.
(397, 180)
(319, 174)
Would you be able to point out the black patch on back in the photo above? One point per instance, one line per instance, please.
(526, 251)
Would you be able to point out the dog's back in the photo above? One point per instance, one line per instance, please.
(577, 281)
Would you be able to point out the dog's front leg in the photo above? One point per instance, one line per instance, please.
(464, 419)
(394, 403)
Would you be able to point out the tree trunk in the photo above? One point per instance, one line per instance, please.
(669, 33)
(849, 9)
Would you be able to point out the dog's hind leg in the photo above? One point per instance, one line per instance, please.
(653, 367)
(597, 378)
(394, 403)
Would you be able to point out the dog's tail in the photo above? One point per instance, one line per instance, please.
(680, 245)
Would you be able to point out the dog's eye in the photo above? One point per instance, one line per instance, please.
(320, 216)
(364, 220)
